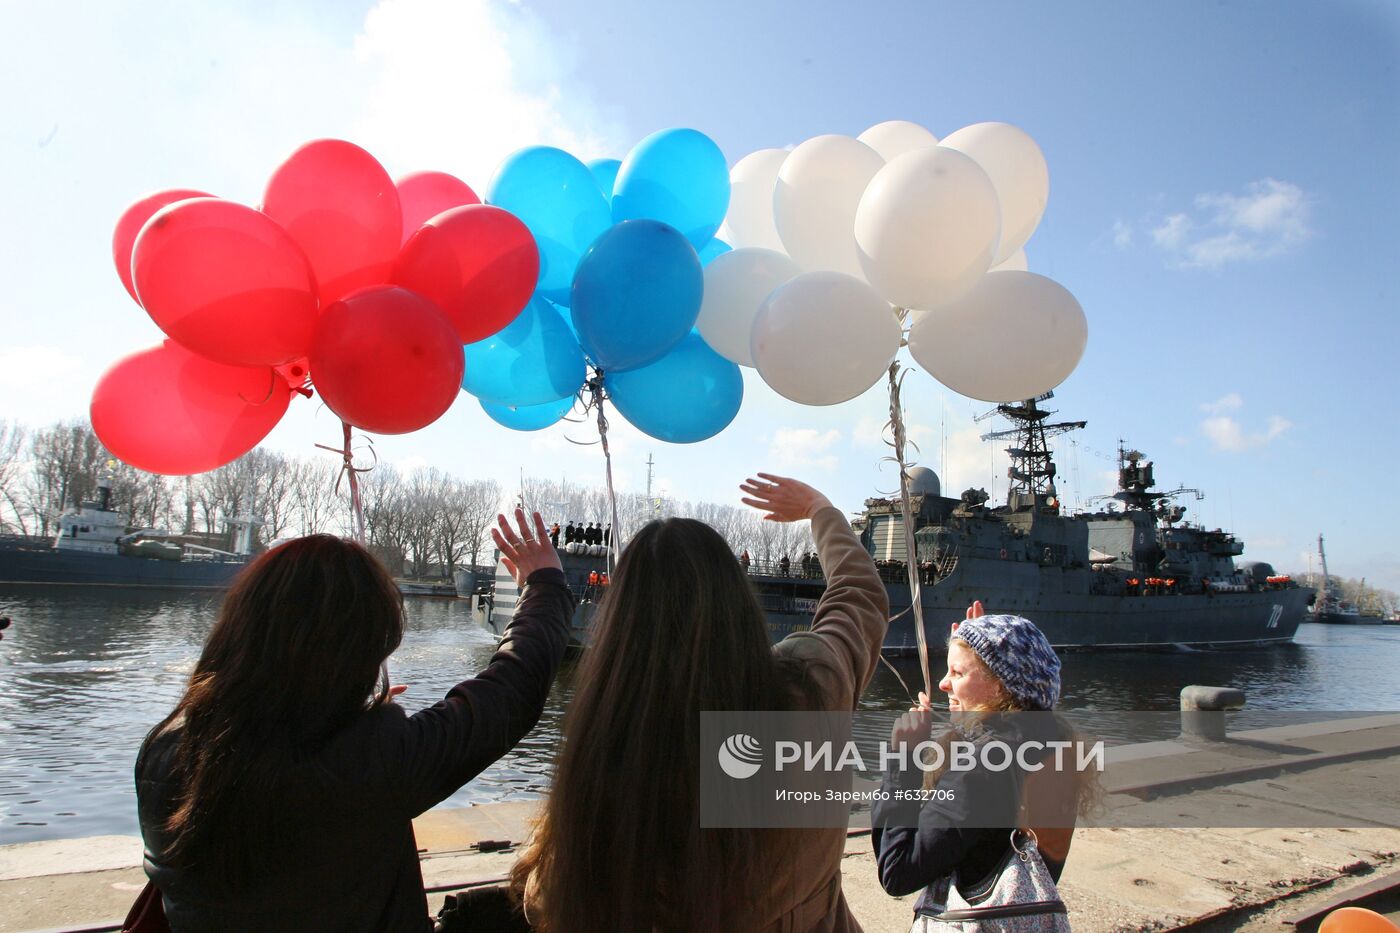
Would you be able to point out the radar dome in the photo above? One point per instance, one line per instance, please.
(1256, 570)
(924, 482)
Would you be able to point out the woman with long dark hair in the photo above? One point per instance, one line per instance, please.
(619, 846)
(278, 794)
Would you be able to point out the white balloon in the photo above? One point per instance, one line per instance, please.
(824, 338)
(736, 285)
(1017, 169)
(751, 183)
(927, 228)
(1013, 337)
(814, 205)
(1016, 262)
(896, 137)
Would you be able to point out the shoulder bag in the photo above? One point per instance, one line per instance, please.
(1018, 897)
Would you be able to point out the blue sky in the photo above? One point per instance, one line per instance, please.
(1224, 204)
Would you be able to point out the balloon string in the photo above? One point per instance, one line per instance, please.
(907, 513)
(350, 472)
(595, 388)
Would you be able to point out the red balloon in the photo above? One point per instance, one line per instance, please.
(386, 360)
(130, 224)
(424, 195)
(477, 263)
(297, 372)
(340, 205)
(225, 281)
(167, 410)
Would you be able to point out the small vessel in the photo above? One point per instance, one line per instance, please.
(1132, 575)
(437, 588)
(94, 547)
(1330, 608)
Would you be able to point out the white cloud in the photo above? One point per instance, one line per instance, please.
(1229, 402)
(803, 447)
(1122, 234)
(1172, 231)
(1270, 218)
(1227, 433)
(460, 84)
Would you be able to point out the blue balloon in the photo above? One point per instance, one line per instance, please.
(529, 417)
(564, 313)
(532, 360)
(678, 177)
(686, 396)
(554, 195)
(605, 174)
(636, 294)
(715, 247)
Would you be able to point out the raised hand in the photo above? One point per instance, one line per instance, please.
(784, 499)
(911, 728)
(973, 612)
(526, 552)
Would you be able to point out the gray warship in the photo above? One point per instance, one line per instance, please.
(1132, 575)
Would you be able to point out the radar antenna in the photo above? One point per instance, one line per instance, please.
(1032, 471)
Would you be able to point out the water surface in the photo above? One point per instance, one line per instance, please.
(85, 672)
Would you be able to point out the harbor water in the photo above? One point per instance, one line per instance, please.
(84, 672)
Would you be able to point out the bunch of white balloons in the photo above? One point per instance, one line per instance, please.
(835, 240)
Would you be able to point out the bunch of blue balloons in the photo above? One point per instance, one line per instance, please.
(622, 245)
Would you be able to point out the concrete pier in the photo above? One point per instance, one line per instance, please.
(1345, 772)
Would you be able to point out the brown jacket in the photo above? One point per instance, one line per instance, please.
(840, 653)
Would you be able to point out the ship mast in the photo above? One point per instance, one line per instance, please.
(1032, 471)
(1322, 558)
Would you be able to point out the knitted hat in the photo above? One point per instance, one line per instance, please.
(1019, 654)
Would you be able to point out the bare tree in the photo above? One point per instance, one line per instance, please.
(313, 492)
(381, 498)
(147, 499)
(66, 459)
(275, 503)
(478, 503)
(423, 498)
(12, 456)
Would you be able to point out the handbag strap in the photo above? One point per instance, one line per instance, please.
(1027, 909)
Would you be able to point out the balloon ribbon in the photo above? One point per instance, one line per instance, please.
(349, 471)
(595, 401)
(906, 510)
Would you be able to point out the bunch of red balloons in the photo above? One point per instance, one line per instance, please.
(342, 279)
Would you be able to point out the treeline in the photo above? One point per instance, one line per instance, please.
(431, 520)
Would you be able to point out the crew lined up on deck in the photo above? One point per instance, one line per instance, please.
(592, 533)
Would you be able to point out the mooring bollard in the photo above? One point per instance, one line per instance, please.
(1203, 711)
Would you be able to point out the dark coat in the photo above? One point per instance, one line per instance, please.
(916, 844)
(349, 861)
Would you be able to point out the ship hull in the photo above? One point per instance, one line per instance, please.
(54, 567)
(1075, 620)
